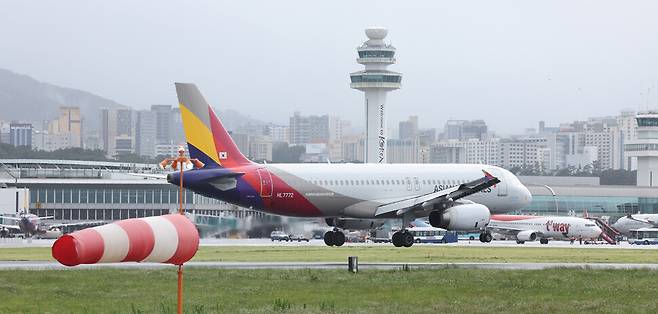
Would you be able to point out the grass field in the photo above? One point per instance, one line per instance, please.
(388, 254)
(330, 291)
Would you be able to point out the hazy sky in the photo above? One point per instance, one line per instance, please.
(511, 63)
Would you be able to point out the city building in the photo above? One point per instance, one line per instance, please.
(146, 130)
(69, 124)
(403, 151)
(117, 131)
(408, 129)
(443, 154)
(260, 148)
(20, 134)
(4, 132)
(521, 153)
(464, 130)
(309, 129)
(375, 81)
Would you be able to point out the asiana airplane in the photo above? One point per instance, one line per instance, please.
(349, 196)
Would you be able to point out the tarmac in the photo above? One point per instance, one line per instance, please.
(52, 265)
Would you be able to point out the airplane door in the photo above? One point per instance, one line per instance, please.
(408, 183)
(265, 182)
(416, 184)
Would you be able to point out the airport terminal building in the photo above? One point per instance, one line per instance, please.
(562, 195)
(102, 191)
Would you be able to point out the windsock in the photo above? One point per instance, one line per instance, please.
(171, 239)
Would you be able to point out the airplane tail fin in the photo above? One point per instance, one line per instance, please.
(207, 140)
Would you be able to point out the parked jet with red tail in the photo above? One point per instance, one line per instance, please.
(349, 196)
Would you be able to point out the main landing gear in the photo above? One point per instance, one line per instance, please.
(403, 238)
(334, 237)
(486, 237)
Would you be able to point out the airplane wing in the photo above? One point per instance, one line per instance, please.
(646, 221)
(13, 227)
(447, 195)
(84, 224)
(512, 231)
(10, 218)
(46, 217)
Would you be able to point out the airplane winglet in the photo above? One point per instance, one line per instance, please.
(487, 175)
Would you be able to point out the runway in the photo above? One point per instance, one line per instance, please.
(14, 265)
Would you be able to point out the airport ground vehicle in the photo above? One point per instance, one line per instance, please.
(468, 235)
(643, 236)
(279, 236)
(298, 238)
(433, 235)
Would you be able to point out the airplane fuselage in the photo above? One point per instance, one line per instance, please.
(555, 227)
(625, 224)
(346, 190)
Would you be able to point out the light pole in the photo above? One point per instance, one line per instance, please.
(554, 198)
(175, 162)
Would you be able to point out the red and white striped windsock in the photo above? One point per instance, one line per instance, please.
(171, 239)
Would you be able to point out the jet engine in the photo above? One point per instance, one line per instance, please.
(526, 235)
(355, 224)
(465, 217)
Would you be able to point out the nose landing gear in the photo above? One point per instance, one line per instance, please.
(486, 237)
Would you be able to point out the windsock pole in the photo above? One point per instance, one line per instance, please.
(181, 161)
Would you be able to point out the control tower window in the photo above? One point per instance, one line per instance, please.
(376, 78)
(647, 121)
(376, 54)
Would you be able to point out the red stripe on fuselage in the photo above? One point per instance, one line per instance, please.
(140, 238)
(285, 200)
(512, 217)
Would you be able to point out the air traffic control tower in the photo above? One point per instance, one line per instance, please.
(645, 148)
(375, 81)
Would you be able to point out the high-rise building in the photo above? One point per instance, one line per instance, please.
(20, 134)
(440, 154)
(146, 133)
(403, 151)
(309, 129)
(65, 131)
(163, 123)
(260, 148)
(117, 131)
(70, 121)
(376, 81)
(279, 133)
(521, 153)
(4, 132)
(408, 129)
(427, 137)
